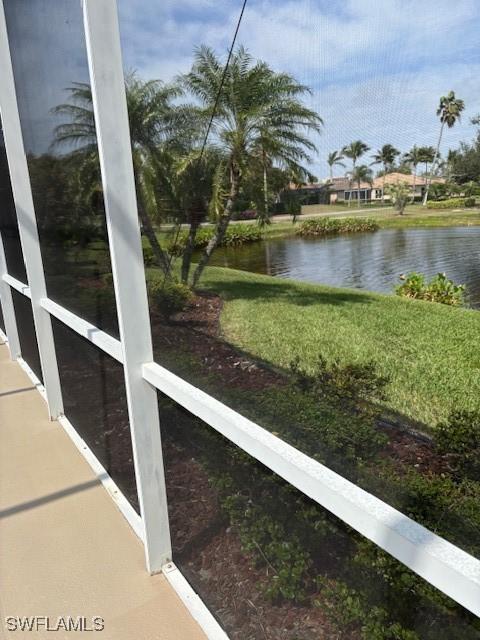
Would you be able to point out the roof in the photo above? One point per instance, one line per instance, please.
(340, 184)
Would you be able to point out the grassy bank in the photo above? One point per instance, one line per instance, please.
(429, 351)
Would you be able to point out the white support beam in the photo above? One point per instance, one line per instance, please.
(27, 224)
(8, 310)
(93, 334)
(111, 119)
(441, 563)
(19, 286)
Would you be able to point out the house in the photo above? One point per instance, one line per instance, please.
(345, 190)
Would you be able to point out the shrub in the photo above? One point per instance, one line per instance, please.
(327, 226)
(248, 214)
(451, 203)
(400, 195)
(236, 234)
(460, 436)
(439, 289)
(148, 258)
(470, 202)
(169, 297)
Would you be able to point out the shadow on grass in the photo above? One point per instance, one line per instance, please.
(285, 291)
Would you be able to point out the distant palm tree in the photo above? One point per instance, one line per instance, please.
(449, 110)
(354, 151)
(427, 154)
(334, 159)
(360, 174)
(413, 157)
(254, 112)
(386, 157)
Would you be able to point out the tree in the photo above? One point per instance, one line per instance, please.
(361, 174)
(413, 158)
(334, 159)
(154, 125)
(427, 154)
(400, 195)
(386, 157)
(449, 110)
(254, 111)
(354, 151)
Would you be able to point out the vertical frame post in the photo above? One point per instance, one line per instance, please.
(111, 119)
(8, 310)
(27, 223)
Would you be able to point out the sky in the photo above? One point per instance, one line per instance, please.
(376, 67)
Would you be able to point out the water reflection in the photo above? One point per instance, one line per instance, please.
(370, 261)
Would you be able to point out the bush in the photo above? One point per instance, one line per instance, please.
(248, 214)
(460, 436)
(148, 258)
(451, 203)
(169, 297)
(236, 234)
(470, 202)
(328, 226)
(439, 289)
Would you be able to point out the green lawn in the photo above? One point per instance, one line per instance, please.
(431, 352)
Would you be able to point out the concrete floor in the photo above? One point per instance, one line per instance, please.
(65, 549)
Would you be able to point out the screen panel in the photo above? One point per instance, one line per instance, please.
(94, 399)
(8, 220)
(26, 332)
(50, 68)
(270, 563)
(299, 320)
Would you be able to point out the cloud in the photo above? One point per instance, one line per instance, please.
(376, 69)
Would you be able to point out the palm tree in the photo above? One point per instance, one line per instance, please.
(334, 159)
(386, 157)
(361, 174)
(153, 125)
(427, 154)
(255, 111)
(449, 110)
(354, 151)
(413, 157)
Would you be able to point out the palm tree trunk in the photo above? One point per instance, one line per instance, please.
(265, 188)
(437, 151)
(147, 229)
(358, 196)
(221, 226)
(190, 246)
(414, 181)
(383, 185)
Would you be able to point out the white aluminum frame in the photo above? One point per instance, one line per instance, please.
(441, 563)
(111, 119)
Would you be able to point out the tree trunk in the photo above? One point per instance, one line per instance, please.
(147, 228)
(358, 196)
(383, 185)
(221, 226)
(414, 181)
(265, 188)
(190, 246)
(437, 151)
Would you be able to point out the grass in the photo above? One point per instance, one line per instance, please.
(428, 350)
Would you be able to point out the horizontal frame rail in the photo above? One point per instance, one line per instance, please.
(441, 563)
(17, 285)
(93, 334)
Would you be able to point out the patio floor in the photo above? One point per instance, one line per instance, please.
(65, 549)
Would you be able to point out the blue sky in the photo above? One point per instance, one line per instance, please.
(376, 67)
